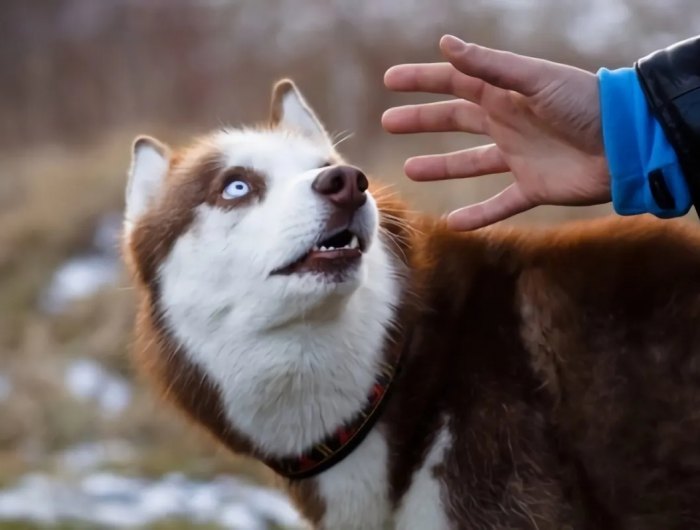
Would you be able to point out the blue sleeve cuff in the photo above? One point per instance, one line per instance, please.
(645, 174)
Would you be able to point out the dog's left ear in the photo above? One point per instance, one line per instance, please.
(289, 109)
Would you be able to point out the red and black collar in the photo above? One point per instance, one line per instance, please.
(336, 446)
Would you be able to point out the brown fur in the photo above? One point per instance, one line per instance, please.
(280, 90)
(566, 361)
(189, 181)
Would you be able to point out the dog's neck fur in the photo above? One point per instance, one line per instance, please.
(285, 387)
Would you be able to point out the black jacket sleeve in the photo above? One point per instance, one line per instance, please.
(670, 79)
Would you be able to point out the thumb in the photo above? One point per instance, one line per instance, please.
(505, 70)
(507, 203)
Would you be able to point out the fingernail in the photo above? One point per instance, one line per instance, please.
(451, 224)
(386, 116)
(455, 221)
(452, 44)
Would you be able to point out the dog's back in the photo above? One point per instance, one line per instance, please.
(566, 366)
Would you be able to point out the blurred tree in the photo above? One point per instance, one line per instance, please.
(72, 69)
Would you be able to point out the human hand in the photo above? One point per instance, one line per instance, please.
(543, 117)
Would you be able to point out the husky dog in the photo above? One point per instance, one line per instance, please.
(398, 375)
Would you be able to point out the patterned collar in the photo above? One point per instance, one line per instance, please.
(336, 446)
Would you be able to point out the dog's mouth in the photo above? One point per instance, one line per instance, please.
(332, 254)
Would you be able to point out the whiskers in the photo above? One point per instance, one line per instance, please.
(340, 137)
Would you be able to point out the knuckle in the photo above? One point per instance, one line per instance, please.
(479, 158)
(455, 118)
(459, 117)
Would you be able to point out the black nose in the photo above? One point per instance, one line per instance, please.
(344, 186)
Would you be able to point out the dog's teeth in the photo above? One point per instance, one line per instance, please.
(354, 243)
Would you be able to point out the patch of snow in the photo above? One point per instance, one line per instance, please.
(106, 237)
(78, 278)
(237, 516)
(91, 455)
(116, 501)
(274, 506)
(89, 380)
(87, 273)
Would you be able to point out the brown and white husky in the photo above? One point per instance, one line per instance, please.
(397, 375)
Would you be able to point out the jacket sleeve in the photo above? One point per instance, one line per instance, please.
(670, 80)
(645, 173)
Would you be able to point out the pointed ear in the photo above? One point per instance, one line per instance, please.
(289, 109)
(150, 160)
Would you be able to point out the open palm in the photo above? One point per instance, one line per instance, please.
(543, 117)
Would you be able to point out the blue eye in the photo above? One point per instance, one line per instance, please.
(235, 189)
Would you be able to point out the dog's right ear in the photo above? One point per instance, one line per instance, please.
(289, 109)
(150, 160)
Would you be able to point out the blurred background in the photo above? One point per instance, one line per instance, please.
(83, 444)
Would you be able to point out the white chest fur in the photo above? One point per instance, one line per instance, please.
(355, 491)
(423, 506)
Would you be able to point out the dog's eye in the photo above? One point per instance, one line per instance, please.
(235, 189)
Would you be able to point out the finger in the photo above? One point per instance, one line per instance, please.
(505, 70)
(482, 160)
(444, 116)
(509, 202)
(435, 78)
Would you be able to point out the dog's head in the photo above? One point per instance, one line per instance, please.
(259, 256)
(269, 219)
